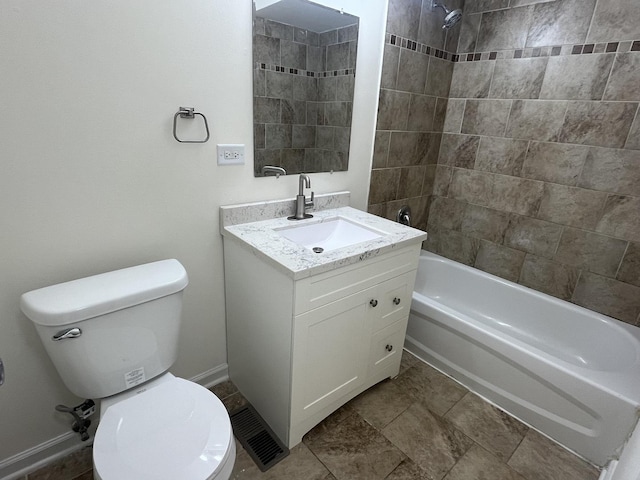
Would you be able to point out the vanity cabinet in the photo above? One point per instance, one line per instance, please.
(299, 349)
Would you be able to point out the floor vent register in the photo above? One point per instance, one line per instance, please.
(257, 438)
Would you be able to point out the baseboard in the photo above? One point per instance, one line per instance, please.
(29, 460)
(32, 459)
(212, 377)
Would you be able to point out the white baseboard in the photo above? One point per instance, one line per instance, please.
(33, 458)
(212, 377)
(29, 460)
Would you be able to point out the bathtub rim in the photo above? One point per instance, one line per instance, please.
(631, 332)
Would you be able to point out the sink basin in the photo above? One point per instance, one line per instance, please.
(329, 234)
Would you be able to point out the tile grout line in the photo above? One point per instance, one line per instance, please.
(318, 459)
(636, 118)
(609, 76)
(626, 249)
(575, 287)
(591, 21)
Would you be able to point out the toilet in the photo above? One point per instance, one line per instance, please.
(113, 337)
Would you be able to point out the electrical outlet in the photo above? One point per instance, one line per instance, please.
(230, 154)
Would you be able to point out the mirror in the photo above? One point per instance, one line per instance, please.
(304, 58)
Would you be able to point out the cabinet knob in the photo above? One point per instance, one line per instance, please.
(388, 348)
(373, 302)
(396, 301)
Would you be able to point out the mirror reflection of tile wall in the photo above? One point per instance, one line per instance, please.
(303, 97)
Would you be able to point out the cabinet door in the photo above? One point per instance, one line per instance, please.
(330, 352)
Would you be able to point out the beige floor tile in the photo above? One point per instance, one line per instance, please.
(489, 426)
(408, 360)
(329, 423)
(425, 384)
(300, 464)
(66, 468)
(382, 403)
(354, 450)
(478, 463)
(234, 401)
(430, 441)
(538, 458)
(224, 389)
(244, 467)
(85, 476)
(408, 470)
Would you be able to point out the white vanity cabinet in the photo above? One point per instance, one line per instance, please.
(299, 349)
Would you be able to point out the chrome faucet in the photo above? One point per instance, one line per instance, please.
(301, 202)
(271, 169)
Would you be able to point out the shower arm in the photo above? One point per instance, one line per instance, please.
(435, 4)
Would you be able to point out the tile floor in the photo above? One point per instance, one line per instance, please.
(420, 425)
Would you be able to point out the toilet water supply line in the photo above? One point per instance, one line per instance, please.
(80, 414)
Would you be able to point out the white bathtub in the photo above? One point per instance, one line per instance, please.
(569, 372)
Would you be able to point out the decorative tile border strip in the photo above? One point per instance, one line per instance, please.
(306, 73)
(417, 47)
(552, 51)
(547, 51)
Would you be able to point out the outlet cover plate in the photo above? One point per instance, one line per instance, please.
(230, 154)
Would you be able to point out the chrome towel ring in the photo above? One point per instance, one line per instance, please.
(188, 112)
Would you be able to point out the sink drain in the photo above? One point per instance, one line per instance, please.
(317, 249)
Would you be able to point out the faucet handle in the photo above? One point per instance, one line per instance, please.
(309, 203)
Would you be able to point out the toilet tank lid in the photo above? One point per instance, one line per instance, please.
(89, 297)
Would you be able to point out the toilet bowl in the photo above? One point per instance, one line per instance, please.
(174, 429)
(112, 338)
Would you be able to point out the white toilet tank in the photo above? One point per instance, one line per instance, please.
(121, 327)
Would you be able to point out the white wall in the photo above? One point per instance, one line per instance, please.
(92, 180)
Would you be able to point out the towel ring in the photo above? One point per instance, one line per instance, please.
(188, 112)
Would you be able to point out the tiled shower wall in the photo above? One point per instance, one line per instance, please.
(416, 75)
(303, 96)
(538, 171)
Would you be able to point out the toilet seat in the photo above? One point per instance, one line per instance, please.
(177, 429)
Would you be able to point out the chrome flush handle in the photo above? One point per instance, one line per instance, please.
(73, 332)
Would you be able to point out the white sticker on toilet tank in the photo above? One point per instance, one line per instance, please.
(134, 377)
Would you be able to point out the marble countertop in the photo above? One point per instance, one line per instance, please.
(300, 262)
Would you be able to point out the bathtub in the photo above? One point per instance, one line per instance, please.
(570, 373)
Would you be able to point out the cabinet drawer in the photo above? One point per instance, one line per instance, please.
(328, 287)
(386, 347)
(393, 299)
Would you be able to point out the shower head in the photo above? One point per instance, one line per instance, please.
(451, 16)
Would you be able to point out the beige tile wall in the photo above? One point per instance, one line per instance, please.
(537, 177)
(416, 78)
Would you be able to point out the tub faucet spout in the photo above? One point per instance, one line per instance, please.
(301, 202)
